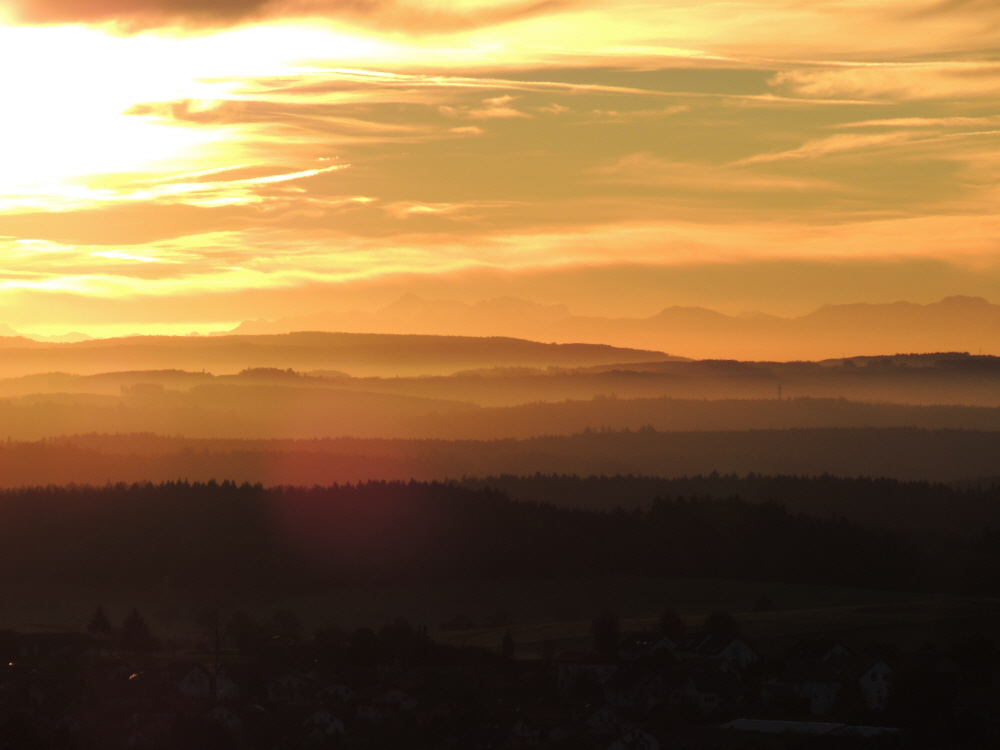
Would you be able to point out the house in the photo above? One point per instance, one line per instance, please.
(223, 717)
(875, 682)
(225, 686)
(635, 739)
(386, 704)
(336, 691)
(815, 728)
(524, 733)
(734, 650)
(370, 711)
(150, 729)
(771, 726)
(708, 692)
(821, 682)
(37, 647)
(325, 722)
(196, 683)
(709, 664)
(817, 686)
(633, 689)
(641, 645)
(605, 721)
(289, 689)
(444, 709)
(398, 700)
(576, 667)
(559, 734)
(819, 648)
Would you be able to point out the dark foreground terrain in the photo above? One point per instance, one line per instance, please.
(265, 684)
(560, 628)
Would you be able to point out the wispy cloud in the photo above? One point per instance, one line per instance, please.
(136, 15)
(614, 115)
(985, 9)
(461, 211)
(846, 143)
(900, 82)
(649, 170)
(829, 146)
(496, 108)
(919, 122)
(190, 189)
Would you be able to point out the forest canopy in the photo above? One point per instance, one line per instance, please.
(233, 537)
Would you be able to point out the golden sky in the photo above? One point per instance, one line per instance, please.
(169, 165)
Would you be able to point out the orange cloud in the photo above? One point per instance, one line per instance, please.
(646, 169)
(899, 82)
(135, 15)
(495, 108)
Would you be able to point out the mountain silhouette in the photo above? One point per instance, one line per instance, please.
(957, 323)
(359, 354)
(411, 314)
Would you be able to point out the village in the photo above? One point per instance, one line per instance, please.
(265, 686)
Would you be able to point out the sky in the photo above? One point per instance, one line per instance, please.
(178, 165)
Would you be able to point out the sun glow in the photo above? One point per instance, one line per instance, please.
(72, 131)
(78, 105)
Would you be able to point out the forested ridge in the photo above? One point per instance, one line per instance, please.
(247, 536)
(961, 509)
(901, 453)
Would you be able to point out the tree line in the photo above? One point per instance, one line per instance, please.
(961, 508)
(229, 536)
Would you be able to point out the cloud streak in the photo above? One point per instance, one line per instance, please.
(137, 15)
(648, 170)
(831, 146)
(897, 82)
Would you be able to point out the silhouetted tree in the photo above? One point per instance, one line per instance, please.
(402, 643)
(99, 625)
(286, 626)
(210, 622)
(243, 632)
(328, 643)
(764, 603)
(507, 646)
(135, 634)
(497, 620)
(721, 624)
(548, 649)
(978, 659)
(605, 632)
(672, 626)
(921, 695)
(364, 647)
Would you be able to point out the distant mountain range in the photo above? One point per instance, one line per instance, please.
(955, 324)
(7, 332)
(355, 353)
(413, 314)
(969, 324)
